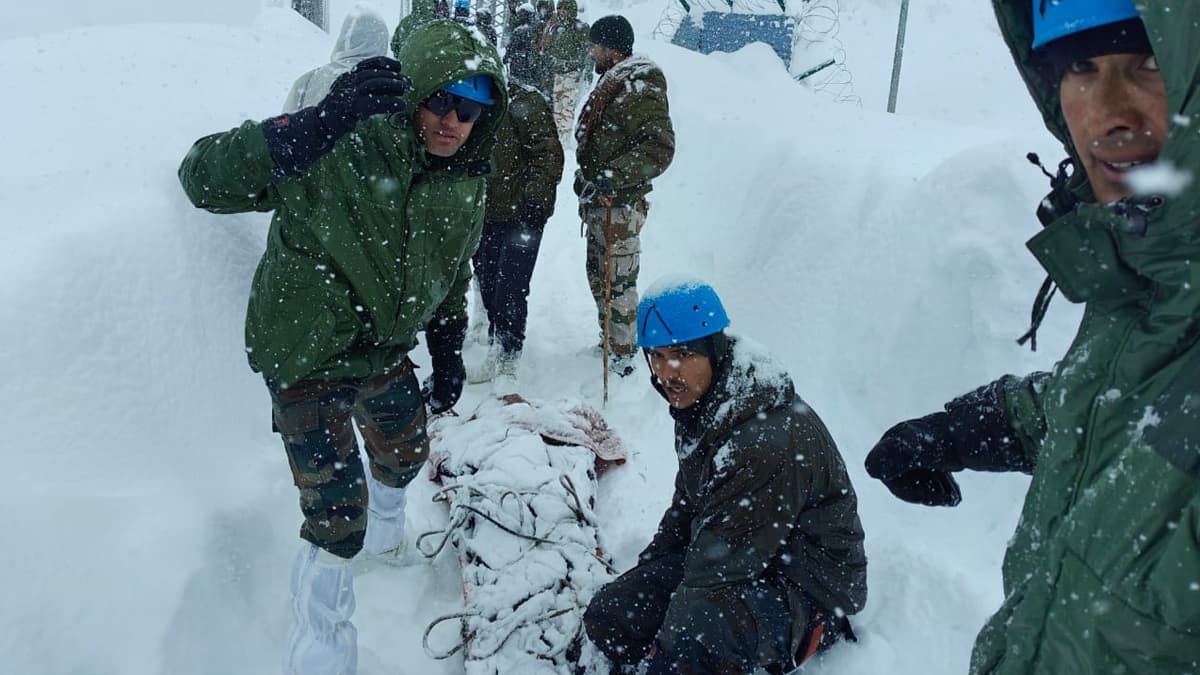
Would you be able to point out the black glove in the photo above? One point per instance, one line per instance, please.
(374, 86)
(444, 386)
(532, 216)
(914, 459)
(600, 186)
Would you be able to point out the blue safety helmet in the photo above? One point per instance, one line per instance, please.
(477, 88)
(675, 313)
(1054, 19)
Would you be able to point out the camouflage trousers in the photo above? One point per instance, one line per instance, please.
(316, 420)
(626, 250)
(566, 97)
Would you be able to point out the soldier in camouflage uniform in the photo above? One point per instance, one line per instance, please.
(543, 12)
(759, 557)
(525, 62)
(624, 139)
(378, 200)
(527, 164)
(564, 44)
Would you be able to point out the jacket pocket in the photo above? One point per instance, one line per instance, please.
(1099, 629)
(312, 345)
(1134, 527)
(1174, 579)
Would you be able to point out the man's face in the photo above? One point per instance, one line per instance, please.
(443, 135)
(603, 57)
(684, 375)
(1116, 111)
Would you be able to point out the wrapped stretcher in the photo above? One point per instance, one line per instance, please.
(520, 480)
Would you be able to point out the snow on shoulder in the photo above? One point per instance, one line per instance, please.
(753, 371)
(672, 283)
(754, 381)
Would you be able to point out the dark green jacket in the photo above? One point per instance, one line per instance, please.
(565, 43)
(420, 13)
(372, 240)
(625, 131)
(527, 162)
(525, 63)
(762, 490)
(1103, 573)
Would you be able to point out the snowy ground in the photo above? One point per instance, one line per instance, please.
(149, 515)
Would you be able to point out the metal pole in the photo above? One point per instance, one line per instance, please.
(898, 57)
(608, 244)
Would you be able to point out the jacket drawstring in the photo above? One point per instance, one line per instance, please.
(1040, 304)
(1060, 200)
(1048, 211)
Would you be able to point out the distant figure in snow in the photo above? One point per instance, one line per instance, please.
(486, 25)
(462, 11)
(759, 557)
(364, 34)
(527, 165)
(1103, 572)
(525, 62)
(564, 45)
(545, 10)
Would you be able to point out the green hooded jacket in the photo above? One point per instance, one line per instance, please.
(527, 162)
(1103, 573)
(624, 130)
(371, 241)
(565, 42)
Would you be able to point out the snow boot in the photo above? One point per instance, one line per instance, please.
(322, 639)
(498, 364)
(385, 539)
(478, 330)
(622, 365)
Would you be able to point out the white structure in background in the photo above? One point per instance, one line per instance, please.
(316, 11)
(803, 33)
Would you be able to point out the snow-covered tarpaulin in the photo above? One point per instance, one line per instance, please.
(802, 33)
(519, 477)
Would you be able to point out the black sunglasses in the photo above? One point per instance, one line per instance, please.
(442, 102)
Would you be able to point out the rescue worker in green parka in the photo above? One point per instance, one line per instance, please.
(378, 200)
(1103, 572)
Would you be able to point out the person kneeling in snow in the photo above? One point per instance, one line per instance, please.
(378, 194)
(759, 557)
